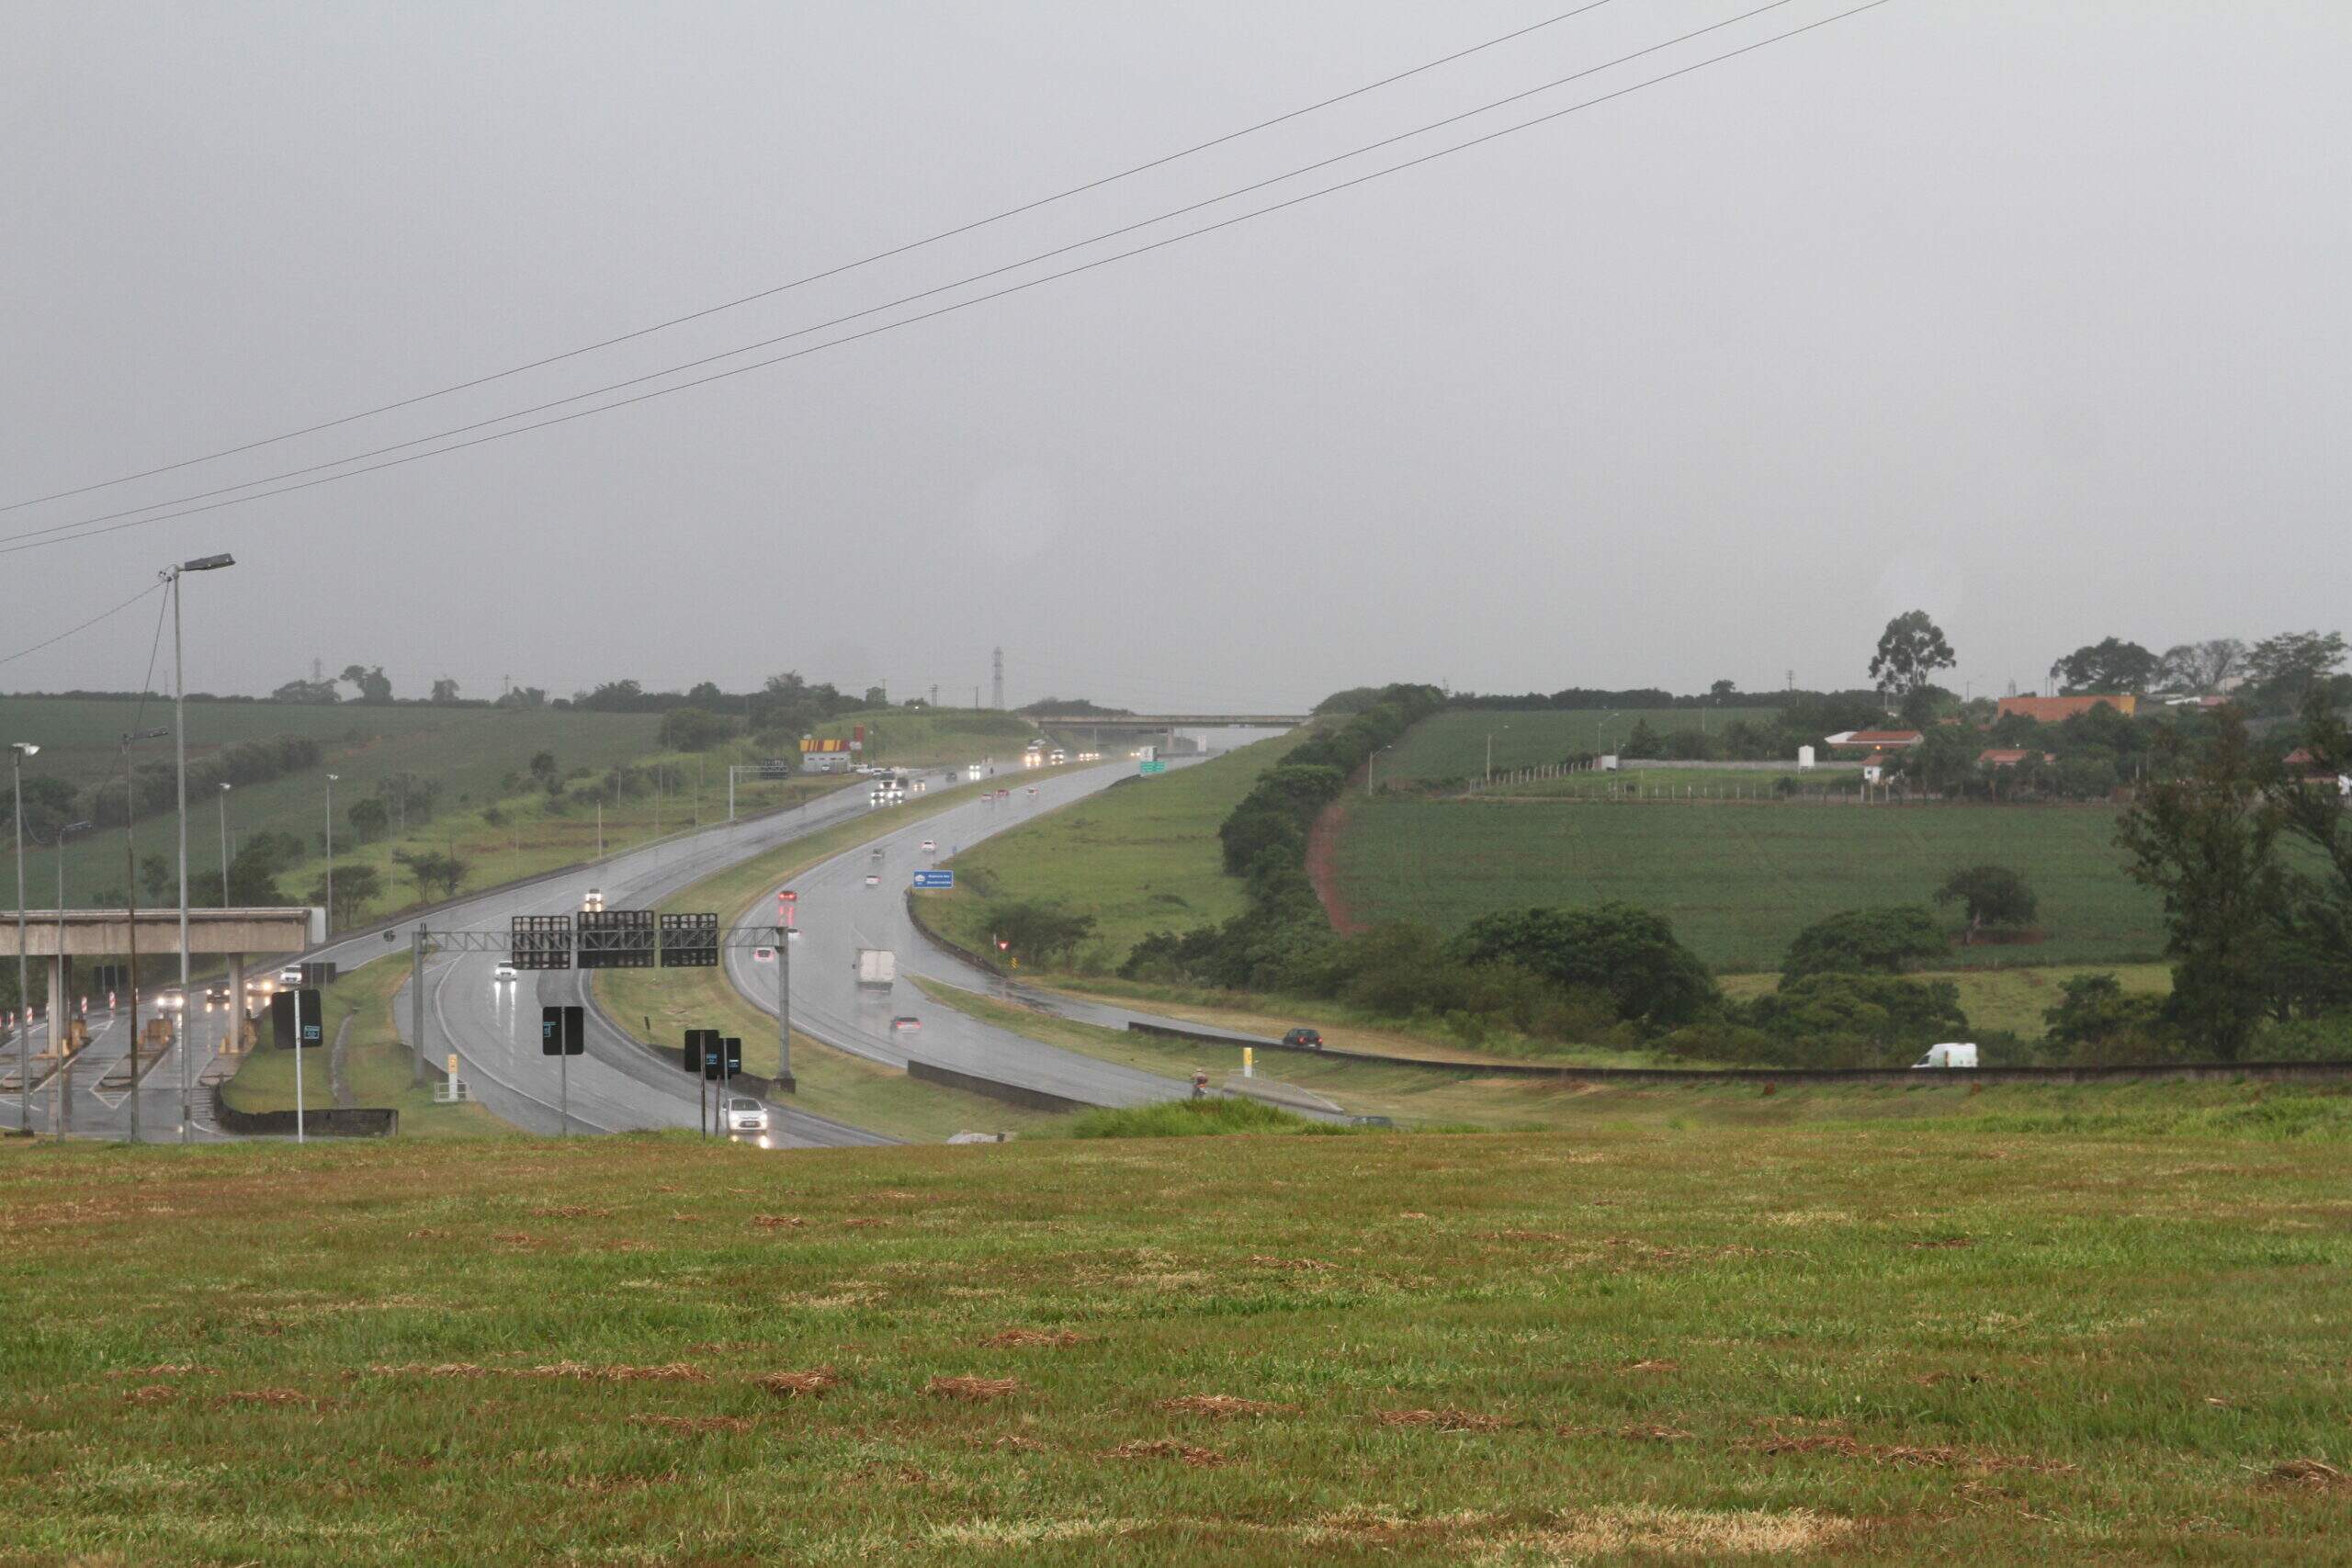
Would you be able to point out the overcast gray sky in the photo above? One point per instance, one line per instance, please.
(2034, 314)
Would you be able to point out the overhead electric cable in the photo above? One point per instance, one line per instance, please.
(680, 368)
(834, 271)
(29, 539)
(85, 625)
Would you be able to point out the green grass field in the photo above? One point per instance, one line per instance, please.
(1140, 857)
(2087, 1326)
(1739, 881)
(1686, 783)
(1453, 744)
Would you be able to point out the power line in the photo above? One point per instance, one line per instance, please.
(32, 539)
(835, 271)
(85, 625)
(624, 384)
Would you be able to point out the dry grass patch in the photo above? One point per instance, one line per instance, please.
(674, 1372)
(1164, 1447)
(1222, 1404)
(435, 1370)
(1707, 1535)
(166, 1370)
(693, 1426)
(271, 1398)
(151, 1393)
(2316, 1473)
(1440, 1420)
(792, 1385)
(1033, 1339)
(778, 1222)
(1634, 1432)
(1654, 1366)
(977, 1389)
(1937, 1458)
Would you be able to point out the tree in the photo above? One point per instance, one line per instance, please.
(1629, 953)
(445, 690)
(2316, 918)
(1846, 1020)
(2290, 664)
(374, 687)
(156, 876)
(2095, 1021)
(1865, 941)
(1642, 741)
(2205, 839)
(876, 698)
(1722, 689)
(370, 818)
(544, 771)
(430, 869)
(2202, 666)
(356, 885)
(705, 695)
(693, 729)
(1038, 933)
(1992, 895)
(1910, 651)
(306, 692)
(2108, 665)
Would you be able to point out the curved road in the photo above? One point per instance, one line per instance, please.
(839, 912)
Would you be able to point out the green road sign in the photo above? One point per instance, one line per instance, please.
(1152, 767)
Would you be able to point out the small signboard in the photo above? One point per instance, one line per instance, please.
(1151, 766)
(934, 879)
(563, 1031)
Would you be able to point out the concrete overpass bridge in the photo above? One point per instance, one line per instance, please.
(58, 936)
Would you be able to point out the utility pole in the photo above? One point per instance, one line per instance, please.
(785, 1081)
(179, 732)
(17, 751)
(224, 853)
(416, 998)
(998, 688)
(330, 778)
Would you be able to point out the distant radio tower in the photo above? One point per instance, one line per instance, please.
(996, 689)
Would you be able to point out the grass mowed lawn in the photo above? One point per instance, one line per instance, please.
(1140, 857)
(1739, 881)
(1662, 1336)
(1453, 744)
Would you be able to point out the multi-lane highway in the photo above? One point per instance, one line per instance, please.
(841, 911)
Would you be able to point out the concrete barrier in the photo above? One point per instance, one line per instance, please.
(2151, 1072)
(326, 1122)
(986, 963)
(1011, 1093)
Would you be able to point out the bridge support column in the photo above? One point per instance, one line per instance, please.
(236, 1002)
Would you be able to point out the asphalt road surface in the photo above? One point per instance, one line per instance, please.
(839, 911)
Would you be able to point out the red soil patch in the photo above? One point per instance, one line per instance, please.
(1323, 866)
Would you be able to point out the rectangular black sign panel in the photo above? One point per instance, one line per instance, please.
(540, 942)
(563, 1031)
(281, 1017)
(702, 1047)
(616, 938)
(689, 942)
(320, 971)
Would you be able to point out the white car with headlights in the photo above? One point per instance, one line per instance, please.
(746, 1118)
(503, 973)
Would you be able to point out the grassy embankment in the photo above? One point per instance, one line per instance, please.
(665, 1002)
(377, 1064)
(1140, 857)
(2053, 1327)
(1739, 882)
(1453, 744)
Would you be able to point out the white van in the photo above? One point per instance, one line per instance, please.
(1954, 1054)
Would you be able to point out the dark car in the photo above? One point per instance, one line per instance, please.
(1309, 1038)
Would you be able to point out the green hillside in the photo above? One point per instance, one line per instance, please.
(921, 737)
(1738, 881)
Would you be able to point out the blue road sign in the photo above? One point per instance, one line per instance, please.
(934, 879)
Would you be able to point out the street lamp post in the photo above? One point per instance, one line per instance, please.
(131, 909)
(224, 849)
(23, 1080)
(17, 751)
(1372, 769)
(330, 778)
(179, 729)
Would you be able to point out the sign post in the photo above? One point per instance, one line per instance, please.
(563, 1034)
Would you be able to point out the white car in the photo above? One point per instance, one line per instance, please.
(746, 1118)
(929, 846)
(503, 973)
(289, 977)
(764, 955)
(592, 901)
(873, 879)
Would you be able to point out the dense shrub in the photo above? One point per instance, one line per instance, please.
(1865, 941)
(1628, 953)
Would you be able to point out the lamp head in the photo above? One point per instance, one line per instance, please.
(24, 748)
(209, 563)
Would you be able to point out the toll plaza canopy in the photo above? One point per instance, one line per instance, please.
(105, 932)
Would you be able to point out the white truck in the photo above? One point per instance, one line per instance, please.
(876, 967)
(1955, 1053)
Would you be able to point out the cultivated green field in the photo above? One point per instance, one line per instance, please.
(1453, 744)
(1140, 857)
(2093, 1326)
(1739, 881)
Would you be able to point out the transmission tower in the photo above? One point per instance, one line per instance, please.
(996, 689)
